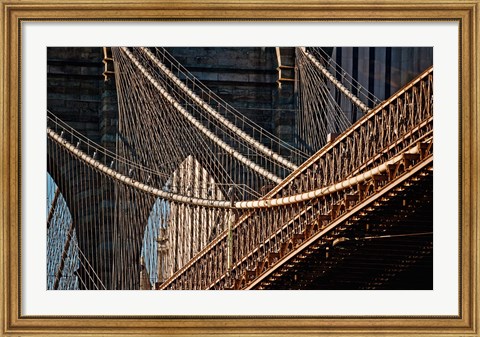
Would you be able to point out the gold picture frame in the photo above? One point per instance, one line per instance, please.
(14, 12)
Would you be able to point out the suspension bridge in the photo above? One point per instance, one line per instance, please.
(195, 195)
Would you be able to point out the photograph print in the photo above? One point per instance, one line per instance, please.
(239, 168)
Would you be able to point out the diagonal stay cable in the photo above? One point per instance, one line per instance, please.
(270, 153)
(200, 127)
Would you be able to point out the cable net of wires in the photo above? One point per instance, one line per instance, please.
(182, 177)
(115, 228)
(162, 122)
(225, 112)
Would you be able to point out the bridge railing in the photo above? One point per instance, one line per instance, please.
(387, 136)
